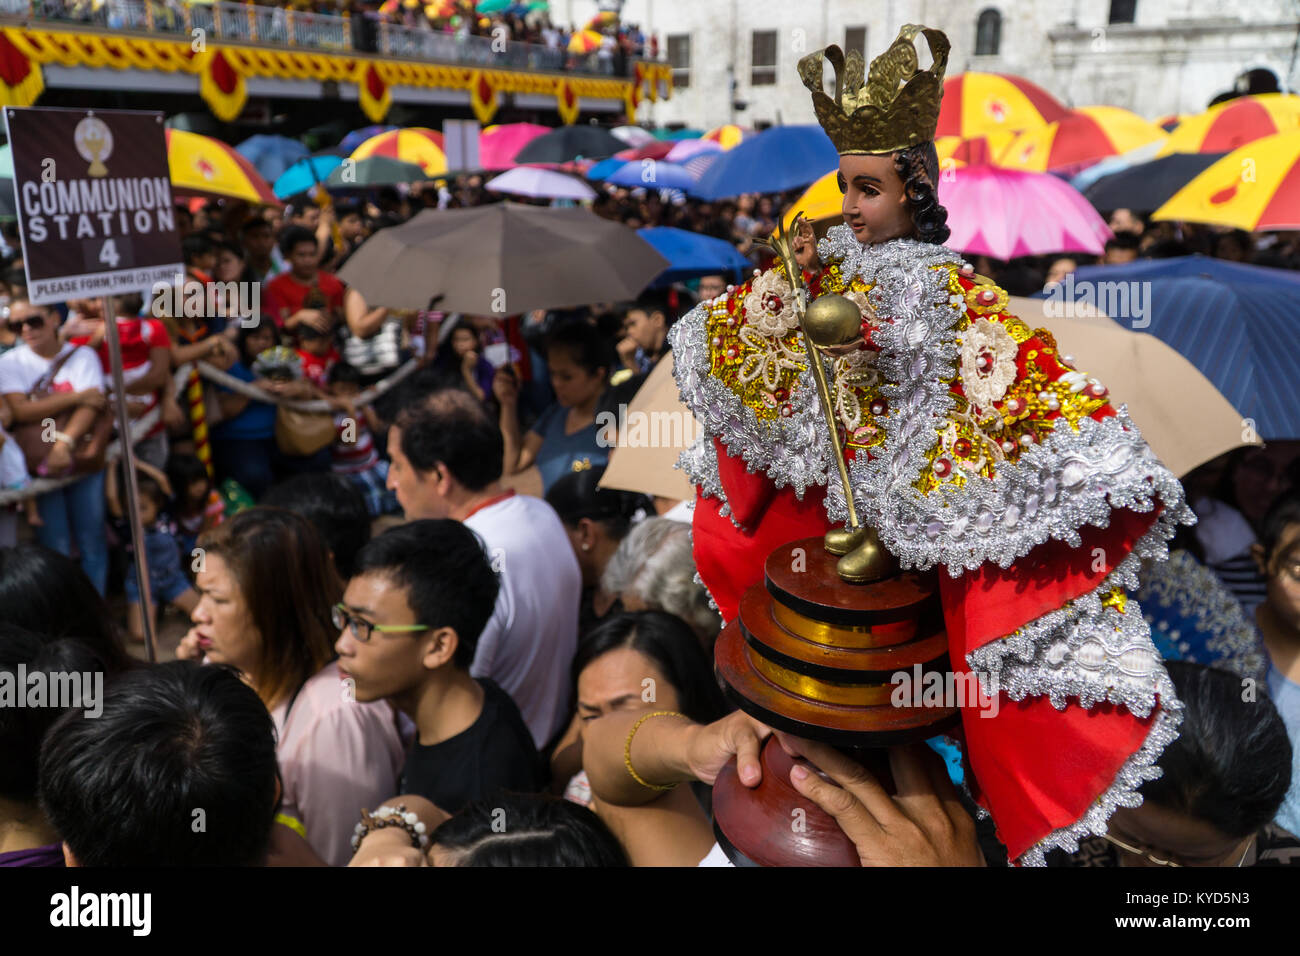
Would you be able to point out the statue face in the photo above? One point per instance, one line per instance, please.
(875, 204)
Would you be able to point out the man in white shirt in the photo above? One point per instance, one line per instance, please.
(446, 463)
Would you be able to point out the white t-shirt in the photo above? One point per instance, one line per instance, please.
(21, 368)
(529, 643)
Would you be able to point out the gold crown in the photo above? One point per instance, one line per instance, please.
(878, 116)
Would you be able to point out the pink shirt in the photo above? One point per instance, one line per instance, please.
(336, 756)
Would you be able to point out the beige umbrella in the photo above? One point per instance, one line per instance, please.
(1181, 414)
(656, 429)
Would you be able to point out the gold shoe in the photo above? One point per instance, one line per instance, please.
(869, 561)
(844, 540)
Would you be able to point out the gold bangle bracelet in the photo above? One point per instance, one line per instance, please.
(627, 748)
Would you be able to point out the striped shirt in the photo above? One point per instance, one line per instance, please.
(353, 450)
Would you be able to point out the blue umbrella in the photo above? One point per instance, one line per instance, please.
(272, 155)
(652, 174)
(604, 169)
(691, 255)
(777, 159)
(1232, 321)
(355, 138)
(303, 175)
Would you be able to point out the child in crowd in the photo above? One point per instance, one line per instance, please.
(318, 354)
(167, 582)
(196, 504)
(353, 454)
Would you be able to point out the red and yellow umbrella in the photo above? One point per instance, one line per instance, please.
(201, 165)
(585, 41)
(440, 9)
(728, 136)
(1225, 126)
(416, 144)
(1171, 120)
(955, 152)
(975, 104)
(1082, 136)
(1255, 187)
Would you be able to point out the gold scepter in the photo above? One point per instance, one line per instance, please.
(834, 324)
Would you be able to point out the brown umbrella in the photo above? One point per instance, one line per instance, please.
(1181, 414)
(503, 259)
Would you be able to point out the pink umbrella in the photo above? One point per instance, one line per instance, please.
(690, 148)
(497, 145)
(1005, 213)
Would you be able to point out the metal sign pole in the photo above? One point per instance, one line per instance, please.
(128, 461)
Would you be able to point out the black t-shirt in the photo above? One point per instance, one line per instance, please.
(496, 752)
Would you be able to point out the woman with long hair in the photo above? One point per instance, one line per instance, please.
(266, 587)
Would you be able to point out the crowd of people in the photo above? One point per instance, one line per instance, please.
(619, 43)
(409, 659)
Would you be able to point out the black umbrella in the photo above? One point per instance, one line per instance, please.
(1147, 186)
(568, 143)
(505, 258)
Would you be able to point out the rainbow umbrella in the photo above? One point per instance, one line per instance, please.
(975, 104)
(1082, 136)
(1226, 126)
(416, 144)
(1006, 213)
(1255, 187)
(498, 145)
(585, 41)
(440, 9)
(728, 136)
(201, 165)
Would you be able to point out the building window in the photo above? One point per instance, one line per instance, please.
(1122, 11)
(679, 58)
(988, 33)
(762, 61)
(855, 38)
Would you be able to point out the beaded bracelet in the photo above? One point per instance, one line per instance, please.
(627, 748)
(397, 816)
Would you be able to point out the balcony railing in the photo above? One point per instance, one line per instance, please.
(280, 26)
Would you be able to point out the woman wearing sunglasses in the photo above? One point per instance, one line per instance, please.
(73, 513)
(266, 585)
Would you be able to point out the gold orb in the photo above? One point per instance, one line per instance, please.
(833, 321)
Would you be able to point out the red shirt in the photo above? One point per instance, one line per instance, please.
(315, 368)
(139, 337)
(285, 295)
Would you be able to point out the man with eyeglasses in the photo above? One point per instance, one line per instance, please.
(409, 622)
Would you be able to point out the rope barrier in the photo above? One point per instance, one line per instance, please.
(141, 426)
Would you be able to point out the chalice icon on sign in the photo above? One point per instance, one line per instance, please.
(94, 141)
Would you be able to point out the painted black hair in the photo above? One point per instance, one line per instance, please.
(528, 830)
(918, 168)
